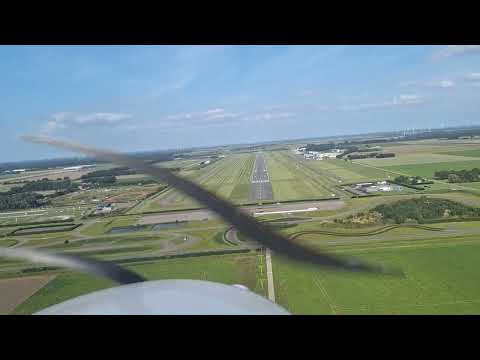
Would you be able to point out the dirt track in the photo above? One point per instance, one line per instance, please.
(15, 291)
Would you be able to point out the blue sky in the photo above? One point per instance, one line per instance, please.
(157, 97)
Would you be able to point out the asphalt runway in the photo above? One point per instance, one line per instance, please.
(260, 187)
(205, 214)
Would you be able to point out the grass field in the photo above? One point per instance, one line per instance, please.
(428, 169)
(412, 159)
(350, 172)
(468, 153)
(228, 177)
(441, 278)
(292, 180)
(245, 269)
(440, 265)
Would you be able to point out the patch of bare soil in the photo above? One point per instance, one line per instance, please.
(15, 291)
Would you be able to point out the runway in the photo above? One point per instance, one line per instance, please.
(260, 187)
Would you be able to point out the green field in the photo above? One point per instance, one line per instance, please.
(350, 172)
(440, 260)
(292, 180)
(441, 278)
(468, 153)
(410, 159)
(245, 269)
(428, 169)
(228, 177)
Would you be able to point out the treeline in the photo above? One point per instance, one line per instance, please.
(106, 177)
(459, 176)
(109, 177)
(110, 172)
(100, 180)
(320, 147)
(361, 156)
(44, 185)
(23, 200)
(405, 180)
(25, 197)
(424, 209)
(370, 155)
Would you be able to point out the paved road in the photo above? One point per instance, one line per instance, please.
(271, 287)
(260, 187)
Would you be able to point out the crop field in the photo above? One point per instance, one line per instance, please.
(16, 291)
(246, 269)
(441, 278)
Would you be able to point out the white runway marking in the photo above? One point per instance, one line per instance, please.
(271, 287)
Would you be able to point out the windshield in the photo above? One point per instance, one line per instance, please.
(344, 165)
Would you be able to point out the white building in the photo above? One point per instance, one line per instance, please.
(104, 209)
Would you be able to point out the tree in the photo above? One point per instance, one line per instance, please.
(454, 178)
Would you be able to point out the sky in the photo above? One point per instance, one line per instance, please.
(136, 98)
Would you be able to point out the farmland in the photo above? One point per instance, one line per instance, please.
(441, 278)
(228, 177)
(293, 181)
(242, 269)
(162, 233)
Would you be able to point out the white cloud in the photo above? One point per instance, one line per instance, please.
(53, 125)
(401, 100)
(182, 116)
(204, 116)
(214, 111)
(452, 50)
(473, 77)
(210, 118)
(439, 84)
(270, 116)
(443, 84)
(57, 121)
(99, 118)
(408, 99)
(64, 120)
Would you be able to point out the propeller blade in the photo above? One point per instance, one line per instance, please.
(95, 267)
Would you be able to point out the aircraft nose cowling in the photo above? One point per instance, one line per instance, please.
(169, 297)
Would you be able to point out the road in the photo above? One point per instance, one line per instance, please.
(260, 187)
(271, 287)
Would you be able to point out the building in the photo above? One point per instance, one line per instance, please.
(103, 209)
(79, 167)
